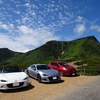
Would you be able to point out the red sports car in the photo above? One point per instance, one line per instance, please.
(63, 68)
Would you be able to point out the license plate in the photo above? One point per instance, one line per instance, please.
(54, 78)
(15, 84)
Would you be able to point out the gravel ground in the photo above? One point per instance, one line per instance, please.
(69, 88)
(86, 91)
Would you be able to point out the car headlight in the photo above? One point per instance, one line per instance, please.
(25, 78)
(3, 80)
(45, 74)
(65, 69)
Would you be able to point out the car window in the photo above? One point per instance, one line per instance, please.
(55, 64)
(33, 67)
(63, 64)
(11, 69)
(43, 67)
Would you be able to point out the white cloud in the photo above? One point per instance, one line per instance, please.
(34, 37)
(8, 42)
(6, 26)
(25, 30)
(27, 5)
(79, 29)
(95, 27)
(17, 12)
(28, 39)
(80, 19)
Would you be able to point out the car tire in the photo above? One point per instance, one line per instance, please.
(39, 78)
(61, 73)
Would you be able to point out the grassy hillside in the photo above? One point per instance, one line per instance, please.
(92, 66)
(82, 48)
(74, 50)
(6, 54)
(50, 51)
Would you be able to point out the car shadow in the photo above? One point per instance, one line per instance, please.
(57, 82)
(29, 87)
(77, 75)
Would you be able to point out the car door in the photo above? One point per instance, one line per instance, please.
(55, 66)
(34, 71)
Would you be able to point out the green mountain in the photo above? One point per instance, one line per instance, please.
(82, 48)
(54, 50)
(5, 54)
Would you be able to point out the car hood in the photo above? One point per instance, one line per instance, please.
(13, 76)
(51, 72)
(69, 67)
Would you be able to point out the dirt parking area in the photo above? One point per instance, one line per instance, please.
(49, 91)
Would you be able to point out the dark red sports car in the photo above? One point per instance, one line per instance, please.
(63, 68)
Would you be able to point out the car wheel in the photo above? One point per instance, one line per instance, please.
(61, 73)
(39, 78)
(75, 74)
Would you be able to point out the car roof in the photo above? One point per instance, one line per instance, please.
(57, 61)
(39, 64)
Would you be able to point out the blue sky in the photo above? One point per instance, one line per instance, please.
(28, 24)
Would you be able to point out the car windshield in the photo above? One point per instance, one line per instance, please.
(11, 69)
(63, 64)
(43, 67)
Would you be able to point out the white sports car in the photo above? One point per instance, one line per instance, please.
(12, 77)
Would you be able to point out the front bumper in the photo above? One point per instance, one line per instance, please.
(14, 85)
(51, 79)
(69, 73)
